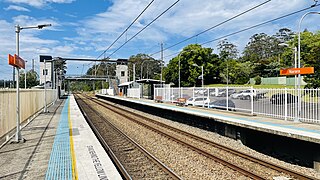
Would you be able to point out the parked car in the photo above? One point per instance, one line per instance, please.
(197, 101)
(247, 94)
(224, 92)
(201, 91)
(222, 104)
(237, 94)
(280, 98)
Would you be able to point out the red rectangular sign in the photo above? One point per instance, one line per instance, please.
(294, 71)
(16, 61)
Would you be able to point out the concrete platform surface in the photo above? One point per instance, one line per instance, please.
(59, 145)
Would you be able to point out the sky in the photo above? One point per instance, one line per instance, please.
(84, 29)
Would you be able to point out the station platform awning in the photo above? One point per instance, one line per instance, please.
(149, 81)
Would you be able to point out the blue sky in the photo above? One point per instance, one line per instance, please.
(84, 29)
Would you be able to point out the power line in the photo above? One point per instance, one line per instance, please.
(251, 27)
(260, 24)
(217, 25)
(125, 29)
(144, 28)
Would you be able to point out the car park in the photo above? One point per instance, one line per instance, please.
(280, 98)
(224, 92)
(221, 104)
(237, 95)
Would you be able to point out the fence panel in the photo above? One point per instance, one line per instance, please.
(275, 103)
(31, 101)
(134, 93)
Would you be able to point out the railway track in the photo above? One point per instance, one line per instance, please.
(132, 160)
(165, 127)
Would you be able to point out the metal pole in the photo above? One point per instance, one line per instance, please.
(54, 75)
(299, 61)
(134, 72)
(161, 63)
(18, 133)
(141, 69)
(25, 76)
(179, 75)
(202, 77)
(45, 88)
(202, 84)
(296, 119)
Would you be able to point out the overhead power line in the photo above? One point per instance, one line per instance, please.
(125, 29)
(217, 25)
(260, 24)
(144, 28)
(251, 27)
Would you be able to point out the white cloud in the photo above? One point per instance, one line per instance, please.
(39, 3)
(187, 18)
(97, 31)
(17, 8)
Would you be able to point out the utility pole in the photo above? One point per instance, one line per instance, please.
(134, 71)
(32, 65)
(161, 63)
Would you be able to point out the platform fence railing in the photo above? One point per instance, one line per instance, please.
(274, 103)
(134, 93)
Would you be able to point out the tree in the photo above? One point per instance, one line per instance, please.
(193, 54)
(228, 53)
(261, 51)
(32, 79)
(310, 57)
(151, 67)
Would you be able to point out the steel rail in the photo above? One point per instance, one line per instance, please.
(150, 156)
(170, 136)
(232, 151)
(104, 144)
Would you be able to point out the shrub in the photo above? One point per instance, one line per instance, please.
(257, 80)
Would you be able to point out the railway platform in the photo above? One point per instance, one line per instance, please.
(297, 130)
(301, 140)
(59, 145)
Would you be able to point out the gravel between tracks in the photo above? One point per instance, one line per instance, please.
(203, 164)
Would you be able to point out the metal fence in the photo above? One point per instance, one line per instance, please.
(134, 92)
(275, 103)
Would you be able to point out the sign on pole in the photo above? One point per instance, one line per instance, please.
(295, 71)
(16, 61)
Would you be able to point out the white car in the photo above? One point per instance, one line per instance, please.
(238, 94)
(197, 101)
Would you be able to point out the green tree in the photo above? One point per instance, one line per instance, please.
(228, 54)
(193, 54)
(310, 57)
(261, 51)
(151, 67)
(32, 79)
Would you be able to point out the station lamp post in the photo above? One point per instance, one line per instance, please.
(295, 79)
(179, 71)
(196, 65)
(299, 59)
(18, 137)
(25, 75)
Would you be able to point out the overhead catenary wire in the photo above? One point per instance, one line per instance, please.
(143, 28)
(251, 27)
(126, 29)
(215, 26)
(260, 24)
